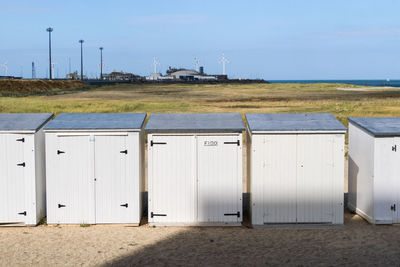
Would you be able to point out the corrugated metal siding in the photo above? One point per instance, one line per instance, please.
(12, 179)
(217, 174)
(297, 178)
(172, 183)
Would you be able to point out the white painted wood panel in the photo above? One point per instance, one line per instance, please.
(73, 183)
(12, 179)
(278, 171)
(314, 178)
(172, 179)
(114, 199)
(219, 193)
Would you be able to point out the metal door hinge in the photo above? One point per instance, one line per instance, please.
(153, 215)
(124, 205)
(233, 143)
(21, 140)
(21, 164)
(393, 208)
(233, 214)
(394, 148)
(61, 206)
(157, 143)
(124, 152)
(60, 152)
(22, 213)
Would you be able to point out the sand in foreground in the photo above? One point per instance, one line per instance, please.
(355, 243)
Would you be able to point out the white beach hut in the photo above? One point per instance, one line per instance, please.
(94, 166)
(195, 169)
(374, 176)
(296, 168)
(22, 168)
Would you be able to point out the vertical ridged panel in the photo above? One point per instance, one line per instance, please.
(361, 172)
(218, 188)
(115, 182)
(314, 178)
(279, 178)
(71, 182)
(12, 179)
(172, 183)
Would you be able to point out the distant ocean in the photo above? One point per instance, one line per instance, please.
(393, 83)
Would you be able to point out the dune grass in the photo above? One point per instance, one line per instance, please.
(243, 98)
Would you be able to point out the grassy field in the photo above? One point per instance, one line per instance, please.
(241, 98)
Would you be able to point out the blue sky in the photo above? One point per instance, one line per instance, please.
(286, 39)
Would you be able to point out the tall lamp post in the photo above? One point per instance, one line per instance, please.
(81, 42)
(101, 63)
(50, 30)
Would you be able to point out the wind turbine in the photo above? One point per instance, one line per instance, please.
(53, 64)
(4, 65)
(155, 63)
(196, 63)
(223, 61)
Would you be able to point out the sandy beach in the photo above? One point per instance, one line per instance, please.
(356, 243)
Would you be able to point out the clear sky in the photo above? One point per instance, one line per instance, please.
(270, 39)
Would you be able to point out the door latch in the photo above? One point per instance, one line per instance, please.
(394, 148)
(22, 213)
(393, 208)
(21, 164)
(61, 206)
(60, 152)
(124, 152)
(21, 140)
(124, 205)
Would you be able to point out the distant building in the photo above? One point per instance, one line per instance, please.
(75, 76)
(183, 75)
(120, 76)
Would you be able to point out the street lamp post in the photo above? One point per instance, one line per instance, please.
(50, 30)
(101, 63)
(81, 42)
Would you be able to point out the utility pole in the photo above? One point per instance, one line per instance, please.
(50, 30)
(101, 63)
(81, 42)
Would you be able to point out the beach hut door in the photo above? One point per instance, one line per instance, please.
(113, 184)
(217, 175)
(12, 169)
(75, 196)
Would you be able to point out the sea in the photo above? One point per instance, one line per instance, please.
(392, 83)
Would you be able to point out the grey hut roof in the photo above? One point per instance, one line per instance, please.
(97, 121)
(23, 122)
(203, 122)
(293, 122)
(378, 126)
